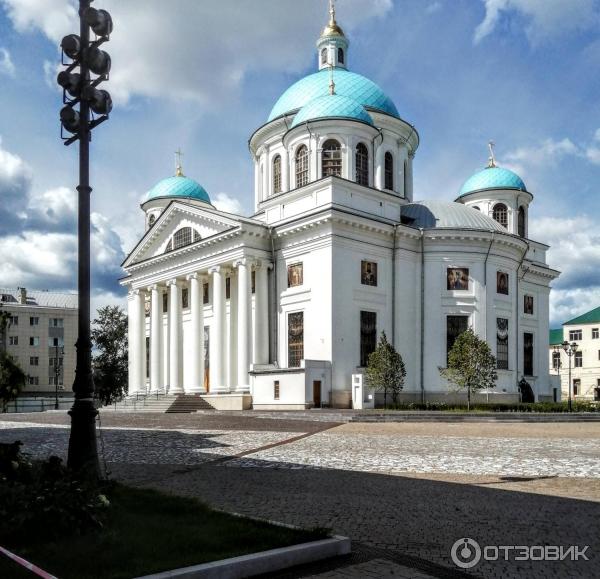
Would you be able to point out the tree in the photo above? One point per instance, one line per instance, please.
(471, 364)
(12, 379)
(109, 336)
(385, 369)
(4, 319)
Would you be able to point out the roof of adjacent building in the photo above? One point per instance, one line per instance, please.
(347, 84)
(492, 178)
(556, 337)
(44, 299)
(180, 187)
(591, 317)
(435, 213)
(332, 106)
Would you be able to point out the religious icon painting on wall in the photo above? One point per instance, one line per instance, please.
(457, 278)
(295, 275)
(502, 283)
(368, 273)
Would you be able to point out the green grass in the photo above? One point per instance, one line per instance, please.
(148, 532)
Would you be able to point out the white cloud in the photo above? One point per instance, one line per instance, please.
(224, 202)
(6, 63)
(177, 50)
(434, 7)
(548, 151)
(545, 18)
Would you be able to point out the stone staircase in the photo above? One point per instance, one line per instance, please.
(188, 403)
(167, 403)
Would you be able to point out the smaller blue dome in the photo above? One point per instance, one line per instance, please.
(179, 186)
(332, 105)
(492, 178)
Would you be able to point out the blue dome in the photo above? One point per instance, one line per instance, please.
(348, 84)
(332, 105)
(492, 178)
(179, 186)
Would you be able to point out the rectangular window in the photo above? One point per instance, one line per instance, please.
(368, 336)
(368, 273)
(502, 343)
(56, 322)
(295, 339)
(457, 278)
(34, 321)
(276, 389)
(455, 325)
(528, 305)
(165, 303)
(205, 293)
(578, 359)
(528, 354)
(53, 381)
(253, 280)
(33, 380)
(556, 360)
(13, 320)
(185, 298)
(595, 333)
(58, 342)
(575, 335)
(35, 340)
(13, 340)
(502, 283)
(227, 288)
(34, 361)
(295, 274)
(576, 386)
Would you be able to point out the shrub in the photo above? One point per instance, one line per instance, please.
(554, 407)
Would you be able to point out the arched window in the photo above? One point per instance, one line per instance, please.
(331, 163)
(182, 237)
(277, 174)
(301, 166)
(521, 223)
(362, 164)
(500, 214)
(324, 56)
(340, 55)
(151, 220)
(388, 169)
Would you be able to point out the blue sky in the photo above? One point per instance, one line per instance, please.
(204, 75)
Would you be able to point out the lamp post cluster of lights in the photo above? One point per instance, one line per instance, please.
(569, 349)
(88, 66)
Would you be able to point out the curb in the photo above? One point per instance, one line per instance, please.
(264, 562)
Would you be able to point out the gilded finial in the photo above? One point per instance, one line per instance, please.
(332, 28)
(331, 12)
(178, 167)
(492, 159)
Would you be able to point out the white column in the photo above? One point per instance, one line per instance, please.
(196, 363)
(265, 176)
(175, 330)
(136, 321)
(285, 171)
(156, 334)
(217, 334)
(231, 331)
(261, 325)
(243, 324)
(379, 167)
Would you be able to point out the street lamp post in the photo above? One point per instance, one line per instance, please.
(57, 369)
(79, 88)
(569, 349)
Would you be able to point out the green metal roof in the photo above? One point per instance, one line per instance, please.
(591, 317)
(556, 337)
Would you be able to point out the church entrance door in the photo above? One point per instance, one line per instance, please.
(317, 393)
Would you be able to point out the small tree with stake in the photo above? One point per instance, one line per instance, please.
(12, 380)
(471, 364)
(385, 370)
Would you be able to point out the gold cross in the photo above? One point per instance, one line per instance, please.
(178, 166)
(492, 160)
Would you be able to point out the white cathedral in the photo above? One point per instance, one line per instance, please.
(281, 309)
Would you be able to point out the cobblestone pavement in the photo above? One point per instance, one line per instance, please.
(408, 492)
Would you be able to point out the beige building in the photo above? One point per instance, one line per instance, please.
(584, 330)
(40, 336)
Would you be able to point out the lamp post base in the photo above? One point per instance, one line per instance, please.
(83, 451)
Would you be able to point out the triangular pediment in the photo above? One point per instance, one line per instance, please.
(204, 223)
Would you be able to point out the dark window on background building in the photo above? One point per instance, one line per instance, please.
(502, 343)
(578, 359)
(368, 336)
(457, 278)
(556, 360)
(362, 165)
(528, 354)
(205, 293)
(576, 386)
(455, 326)
(185, 298)
(502, 283)
(575, 335)
(388, 171)
(295, 339)
(368, 273)
(331, 159)
(595, 334)
(528, 305)
(295, 274)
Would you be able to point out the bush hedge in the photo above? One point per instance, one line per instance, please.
(555, 407)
